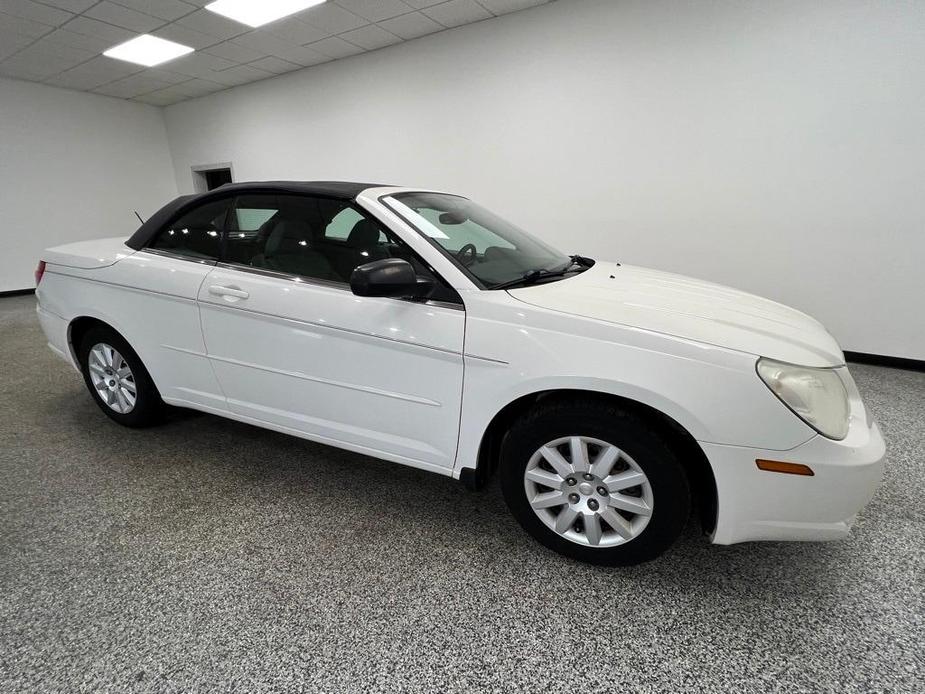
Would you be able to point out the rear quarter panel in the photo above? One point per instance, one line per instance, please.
(151, 301)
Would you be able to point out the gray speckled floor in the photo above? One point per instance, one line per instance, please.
(207, 555)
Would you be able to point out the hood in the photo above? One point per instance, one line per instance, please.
(691, 309)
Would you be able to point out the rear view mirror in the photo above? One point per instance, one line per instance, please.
(389, 277)
(449, 218)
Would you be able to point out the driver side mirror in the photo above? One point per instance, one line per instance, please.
(389, 277)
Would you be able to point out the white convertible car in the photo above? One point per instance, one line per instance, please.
(418, 327)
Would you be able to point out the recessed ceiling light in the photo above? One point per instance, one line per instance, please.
(255, 14)
(147, 50)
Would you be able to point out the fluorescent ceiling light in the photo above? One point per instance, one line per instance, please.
(255, 13)
(147, 50)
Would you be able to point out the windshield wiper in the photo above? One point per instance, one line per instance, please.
(534, 276)
(582, 260)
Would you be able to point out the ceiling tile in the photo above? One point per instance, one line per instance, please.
(304, 56)
(123, 17)
(7, 49)
(42, 64)
(236, 52)
(167, 95)
(505, 6)
(457, 12)
(63, 37)
(296, 32)
(59, 42)
(73, 80)
(263, 41)
(203, 85)
(131, 86)
(11, 43)
(167, 75)
(23, 26)
(70, 5)
(22, 70)
(186, 36)
(240, 74)
(334, 19)
(213, 24)
(27, 9)
(200, 64)
(46, 45)
(197, 87)
(161, 98)
(412, 25)
(93, 73)
(180, 92)
(335, 47)
(275, 65)
(420, 4)
(28, 68)
(375, 10)
(165, 9)
(101, 30)
(370, 37)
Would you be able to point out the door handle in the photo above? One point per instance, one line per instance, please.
(219, 290)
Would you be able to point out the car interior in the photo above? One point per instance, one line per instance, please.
(466, 233)
(310, 237)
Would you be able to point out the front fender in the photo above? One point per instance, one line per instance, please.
(712, 392)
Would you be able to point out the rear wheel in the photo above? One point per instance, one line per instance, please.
(117, 379)
(594, 482)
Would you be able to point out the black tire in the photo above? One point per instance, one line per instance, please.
(148, 409)
(630, 433)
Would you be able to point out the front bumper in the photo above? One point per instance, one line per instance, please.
(754, 504)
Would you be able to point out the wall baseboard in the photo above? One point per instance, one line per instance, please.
(882, 360)
(17, 292)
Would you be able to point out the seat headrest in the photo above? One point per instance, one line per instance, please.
(364, 234)
(288, 236)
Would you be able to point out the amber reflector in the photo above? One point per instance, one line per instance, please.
(788, 468)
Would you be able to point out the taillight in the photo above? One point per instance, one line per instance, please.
(39, 271)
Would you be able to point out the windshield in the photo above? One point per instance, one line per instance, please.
(490, 249)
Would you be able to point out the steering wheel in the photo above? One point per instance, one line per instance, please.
(468, 250)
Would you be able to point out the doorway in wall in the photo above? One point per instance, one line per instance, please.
(210, 177)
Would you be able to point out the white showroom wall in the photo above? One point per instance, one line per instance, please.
(73, 166)
(776, 147)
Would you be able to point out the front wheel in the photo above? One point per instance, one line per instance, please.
(594, 482)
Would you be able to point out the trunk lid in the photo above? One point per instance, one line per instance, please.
(88, 255)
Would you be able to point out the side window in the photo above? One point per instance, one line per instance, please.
(250, 221)
(197, 234)
(280, 233)
(313, 237)
(340, 227)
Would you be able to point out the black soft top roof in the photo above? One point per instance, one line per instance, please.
(338, 190)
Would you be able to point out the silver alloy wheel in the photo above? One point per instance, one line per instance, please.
(112, 378)
(588, 491)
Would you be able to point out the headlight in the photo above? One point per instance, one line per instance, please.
(817, 396)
